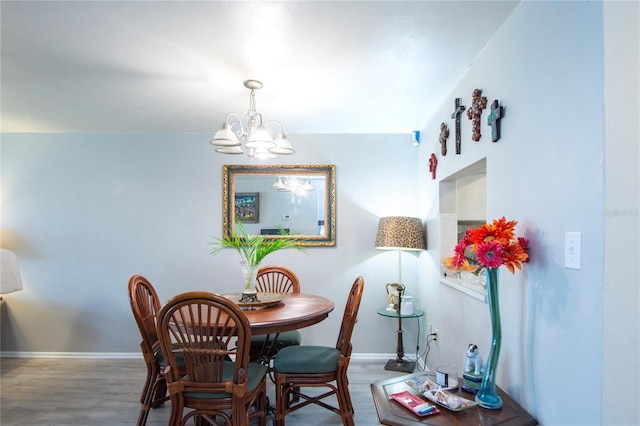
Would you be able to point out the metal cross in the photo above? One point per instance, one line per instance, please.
(493, 120)
(456, 114)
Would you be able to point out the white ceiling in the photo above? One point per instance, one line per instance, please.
(178, 66)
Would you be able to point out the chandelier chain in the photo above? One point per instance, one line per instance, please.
(252, 104)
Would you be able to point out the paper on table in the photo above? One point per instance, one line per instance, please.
(414, 403)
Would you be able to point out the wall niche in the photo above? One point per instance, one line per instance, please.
(463, 205)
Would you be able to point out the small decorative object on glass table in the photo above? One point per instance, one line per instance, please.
(393, 297)
(252, 249)
(495, 245)
(399, 363)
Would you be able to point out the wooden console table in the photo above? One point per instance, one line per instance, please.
(393, 414)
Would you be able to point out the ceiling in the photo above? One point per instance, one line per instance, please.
(179, 66)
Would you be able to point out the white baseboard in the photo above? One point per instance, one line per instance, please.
(362, 357)
(371, 356)
(87, 355)
(138, 355)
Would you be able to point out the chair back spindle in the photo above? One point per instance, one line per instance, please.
(277, 279)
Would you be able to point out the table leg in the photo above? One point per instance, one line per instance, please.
(399, 364)
(268, 350)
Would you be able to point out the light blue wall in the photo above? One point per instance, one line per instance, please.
(546, 172)
(84, 212)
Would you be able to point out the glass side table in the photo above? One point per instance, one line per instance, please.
(400, 364)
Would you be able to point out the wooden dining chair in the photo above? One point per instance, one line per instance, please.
(145, 304)
(299, 367)
(213, 335)
(275, 279)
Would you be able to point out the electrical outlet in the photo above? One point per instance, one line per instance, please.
(433, 332)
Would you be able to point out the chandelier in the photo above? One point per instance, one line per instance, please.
(292, 184)
(247, 128)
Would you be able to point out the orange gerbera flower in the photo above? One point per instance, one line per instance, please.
(514, 255)
(500, 230)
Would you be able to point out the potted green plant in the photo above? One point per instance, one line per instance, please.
(252, 249)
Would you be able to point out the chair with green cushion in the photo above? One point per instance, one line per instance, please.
(275, 279)
(213, 335)
(145, 304)
(299, 367)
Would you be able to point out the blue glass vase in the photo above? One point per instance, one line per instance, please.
(487, 396)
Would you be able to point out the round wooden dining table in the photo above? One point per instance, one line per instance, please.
(295, 311)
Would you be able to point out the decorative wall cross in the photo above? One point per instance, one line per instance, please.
(444, 134)
(479, 103)
(433, 163)
(456, 114)
(493, 120)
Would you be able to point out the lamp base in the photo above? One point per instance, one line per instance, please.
(402, 365)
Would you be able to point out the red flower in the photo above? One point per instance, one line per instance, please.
(490, 254)
(460, 248)
(524, 243)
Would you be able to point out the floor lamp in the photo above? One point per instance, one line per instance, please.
(402, 234)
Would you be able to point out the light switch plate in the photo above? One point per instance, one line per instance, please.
(572, 250)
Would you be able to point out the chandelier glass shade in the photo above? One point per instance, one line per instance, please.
(247, 128)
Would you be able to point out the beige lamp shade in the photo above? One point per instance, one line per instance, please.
(400, 233)
(10, 280)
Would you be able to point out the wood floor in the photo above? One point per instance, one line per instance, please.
(87, 392)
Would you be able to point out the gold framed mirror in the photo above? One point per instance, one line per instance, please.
(301, 199)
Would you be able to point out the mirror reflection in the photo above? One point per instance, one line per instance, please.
(300, 199)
